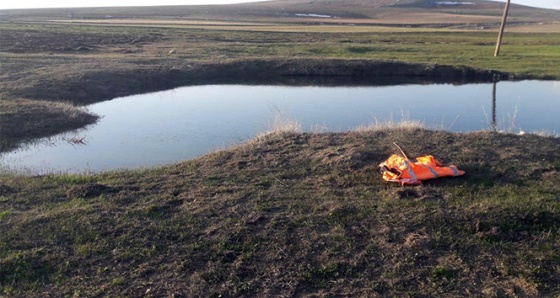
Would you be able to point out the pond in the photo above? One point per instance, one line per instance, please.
(165, 127)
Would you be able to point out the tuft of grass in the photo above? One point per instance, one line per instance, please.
(281, 124)
(4, 214)
(390, 124)
(66, 108)
(441, 272)
(545, 134)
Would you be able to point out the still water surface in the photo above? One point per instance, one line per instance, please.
(165, 127)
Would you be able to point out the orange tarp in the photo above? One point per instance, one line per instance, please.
(402, 170)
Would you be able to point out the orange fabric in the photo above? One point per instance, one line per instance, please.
(399, 169)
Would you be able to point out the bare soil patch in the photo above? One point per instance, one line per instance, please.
(41, 41)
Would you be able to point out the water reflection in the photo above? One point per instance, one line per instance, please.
(493, 126)
(165, 127)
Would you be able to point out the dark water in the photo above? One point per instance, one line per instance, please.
(165, 127)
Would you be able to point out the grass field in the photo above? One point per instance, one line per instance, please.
(287, 214)
(293, 214)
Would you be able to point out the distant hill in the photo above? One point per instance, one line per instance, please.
(390, 12)
(394, 11)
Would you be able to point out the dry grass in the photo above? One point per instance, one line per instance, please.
(553, 27)
(25, 120)
(545, 134)
(403, 125)
(282, 124)
(67, 109)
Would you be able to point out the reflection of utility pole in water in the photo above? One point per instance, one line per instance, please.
(494, 105)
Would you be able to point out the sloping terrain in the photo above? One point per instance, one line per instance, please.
(325, 11)
(294, 215)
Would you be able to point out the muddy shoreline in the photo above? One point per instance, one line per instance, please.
(99, 85)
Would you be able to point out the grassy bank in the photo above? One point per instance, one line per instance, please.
(26, 120)
(293, 214)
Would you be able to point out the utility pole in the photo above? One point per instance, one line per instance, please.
(504, 18)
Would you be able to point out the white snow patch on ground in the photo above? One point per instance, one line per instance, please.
(454, 3)
(313, 15)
